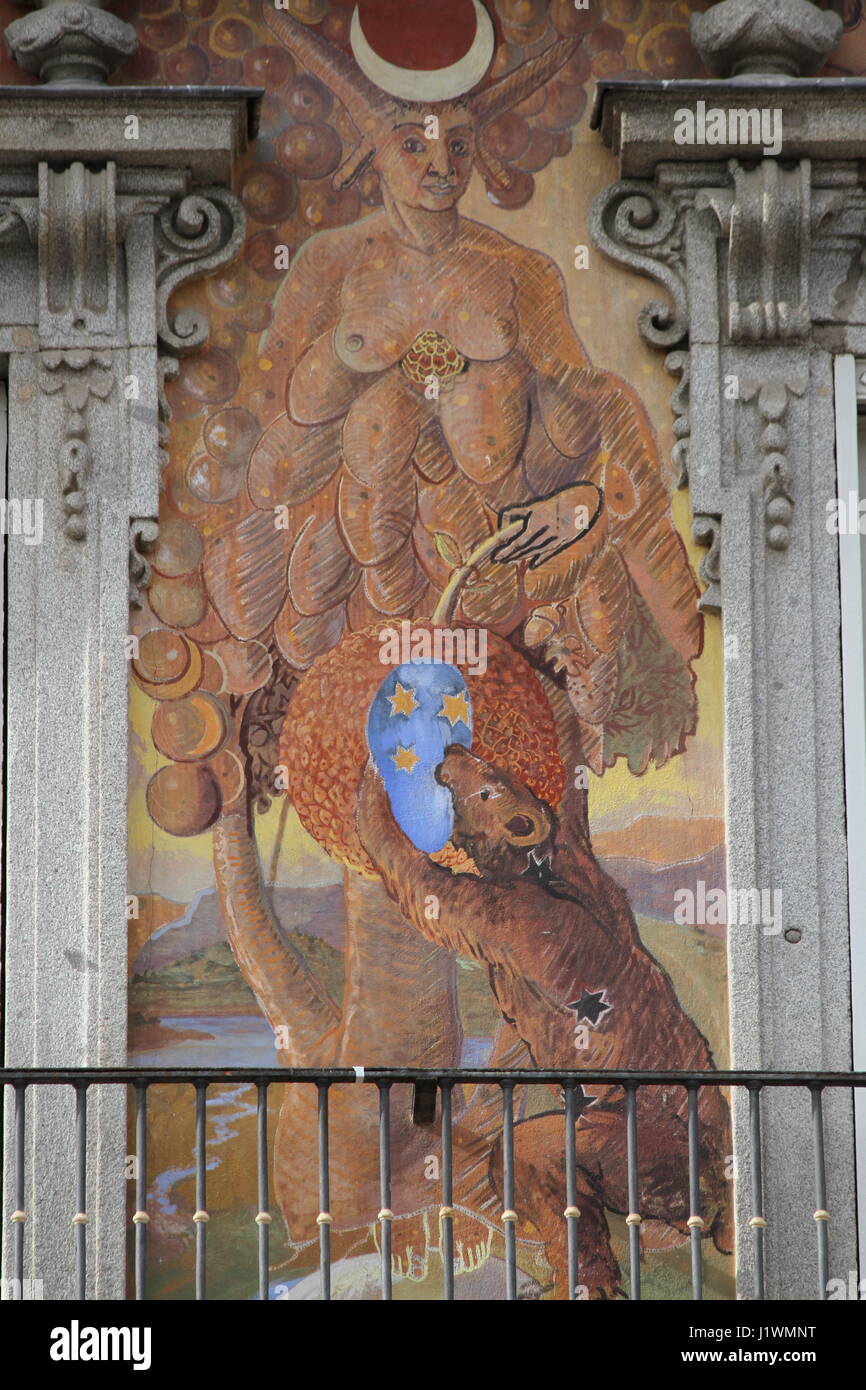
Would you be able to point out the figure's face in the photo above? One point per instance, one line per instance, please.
(426, 167)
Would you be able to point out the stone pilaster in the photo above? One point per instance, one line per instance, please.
(759, 261)
(96, 232)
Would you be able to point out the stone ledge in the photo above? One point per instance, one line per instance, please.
(822, 118)
(201, 129)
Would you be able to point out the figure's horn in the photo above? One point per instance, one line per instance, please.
(515, 86)
(327, 62)
(352, 168)
(493, 171)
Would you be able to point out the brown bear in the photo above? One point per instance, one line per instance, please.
(570, 972)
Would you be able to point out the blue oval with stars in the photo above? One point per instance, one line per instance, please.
(419, 709)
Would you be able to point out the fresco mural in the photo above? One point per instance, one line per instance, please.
(425, 718)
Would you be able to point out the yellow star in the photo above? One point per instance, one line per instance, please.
(405, 759)
(403, 702)
(454, 708)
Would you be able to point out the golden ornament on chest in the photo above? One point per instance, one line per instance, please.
(432, 354)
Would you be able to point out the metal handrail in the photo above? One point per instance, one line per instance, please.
(426, 1081)
(37, 1076)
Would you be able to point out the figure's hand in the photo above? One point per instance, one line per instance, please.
(549, 524)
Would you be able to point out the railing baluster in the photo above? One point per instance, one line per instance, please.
(323, 1220)
(822, 1216)
(19, 1215)
(757, 1222)
(80, 1219)
(571, 1209)
(446, 1214)
(140, 1217)
(200, 1216)
(509, 1215)
(696, 1221)
(263, 1217)
(386, 1215)
(384, 1078)
(633, 1217)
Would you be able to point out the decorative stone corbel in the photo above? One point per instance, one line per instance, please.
(769, 224)
(96, 232)
(78, 253)
(194, 236)
(763, 261)
(766, 217)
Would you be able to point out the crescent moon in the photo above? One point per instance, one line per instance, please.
(436, 84)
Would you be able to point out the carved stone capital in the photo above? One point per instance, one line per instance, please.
(67, 41)
(85, 235)
(791, 37)
(91, 250)
(755, 257)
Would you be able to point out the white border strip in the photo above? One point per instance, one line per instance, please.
(851, 560)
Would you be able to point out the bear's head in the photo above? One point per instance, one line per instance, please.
(497, 820)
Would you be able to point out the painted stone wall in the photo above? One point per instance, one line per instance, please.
(425, 741)
(425, 757)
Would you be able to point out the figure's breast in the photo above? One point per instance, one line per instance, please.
(385, 304)
(397, 296)
(474, 306)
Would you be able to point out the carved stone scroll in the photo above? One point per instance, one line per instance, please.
(636, 224)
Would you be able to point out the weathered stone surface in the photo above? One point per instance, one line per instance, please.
(760, 435)
(821, 119)
(748, 36)
(89, 258)
(199, 132)
(70, 41)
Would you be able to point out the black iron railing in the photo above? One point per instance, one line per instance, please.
(426, 1086)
